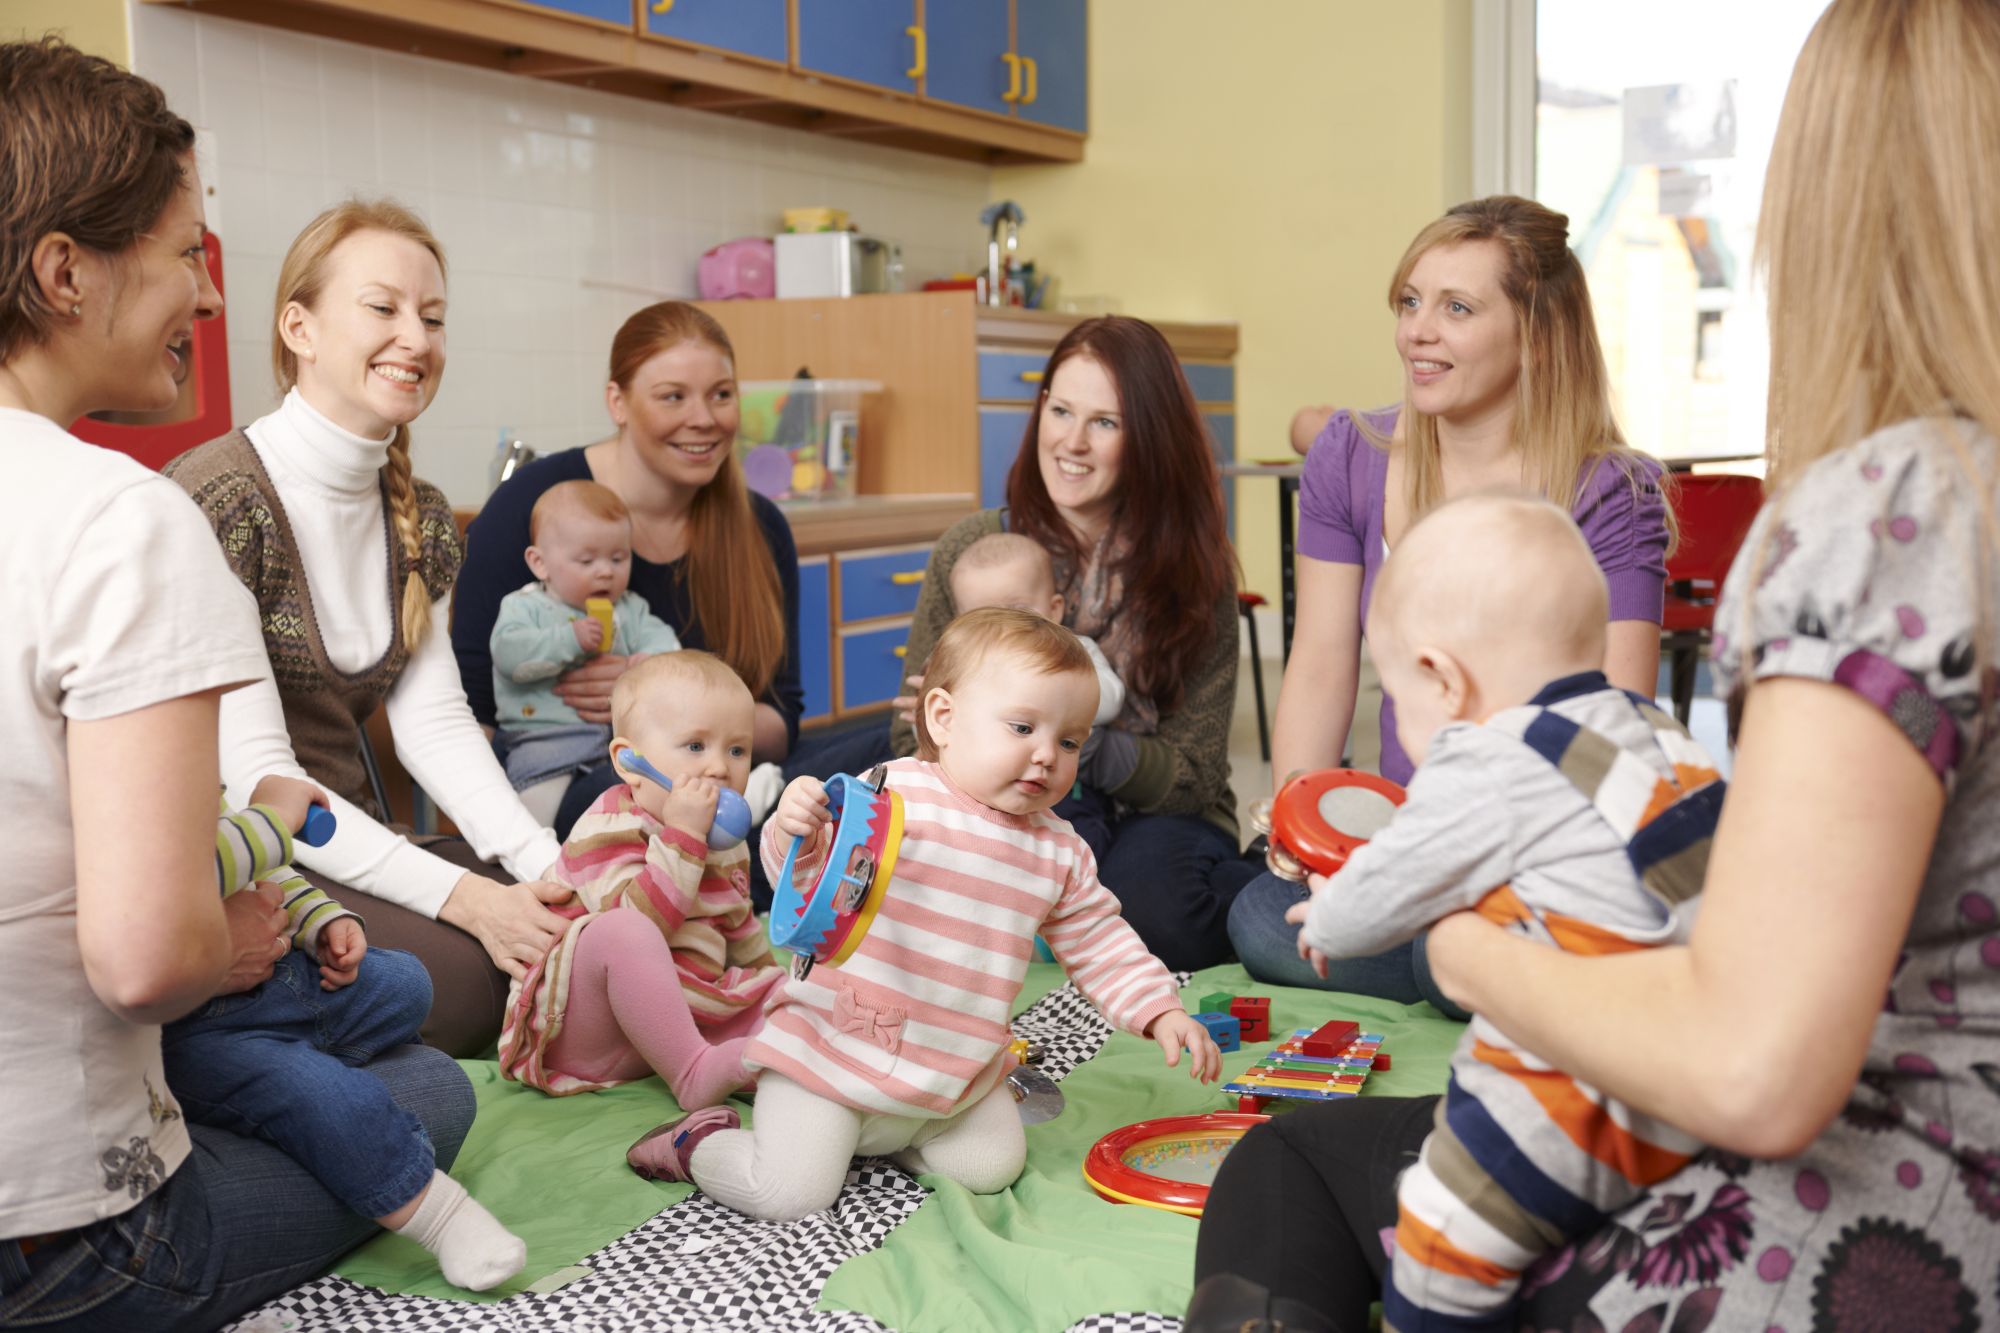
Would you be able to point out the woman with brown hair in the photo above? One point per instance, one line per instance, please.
(1504, 388)
(352, 561)
(1828, 1029)
(1117, 480)
(712, 558)
(124, 628)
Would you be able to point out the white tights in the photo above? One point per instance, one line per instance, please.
(794, 1158)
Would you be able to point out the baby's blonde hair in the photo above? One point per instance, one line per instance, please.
(689, 666)
(1039, 646)
(581, 496)
(1497, 573)
(997, 550)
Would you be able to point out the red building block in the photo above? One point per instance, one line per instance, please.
(1381, 1060)
(1254, 1013)
(1331, 1038)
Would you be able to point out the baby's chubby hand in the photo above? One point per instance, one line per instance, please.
(1174, 1030)
(289, 797)
(1296, 914)
(802, 811)
(342, 946)
(690, 805)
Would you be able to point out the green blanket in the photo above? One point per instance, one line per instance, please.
(1039, 1256)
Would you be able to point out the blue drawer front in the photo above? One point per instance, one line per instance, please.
(967, 42)
(862, 40)
(816, 636)
(1001, 431)
(1054, 34)
(752, 27)
(871, 667)
(1000, 376)
(1211, 384)
(881, 585)
(608, 11)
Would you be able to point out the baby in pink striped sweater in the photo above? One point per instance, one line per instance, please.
(901, 1050)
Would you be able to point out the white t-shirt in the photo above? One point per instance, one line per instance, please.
(115, 597)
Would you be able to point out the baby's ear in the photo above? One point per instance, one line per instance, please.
(620, 743)
(538, 564)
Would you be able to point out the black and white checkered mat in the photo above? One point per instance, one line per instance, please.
(699, 1267)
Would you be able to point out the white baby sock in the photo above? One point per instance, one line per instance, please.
(471, 1246)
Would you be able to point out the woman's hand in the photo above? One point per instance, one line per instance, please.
(513, 921)
(257, 938)
(905, 705)
(587, 689)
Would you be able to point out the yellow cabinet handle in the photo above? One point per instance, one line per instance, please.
(1013, 93)
(1028, 98)
(662, 6)
(907, 576)
(1031, 377)
(916, 35)
(901, 650)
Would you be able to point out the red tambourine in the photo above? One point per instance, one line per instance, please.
(1317, 819)
(1166, 1163)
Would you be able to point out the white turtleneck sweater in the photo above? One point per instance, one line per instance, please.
(329, 483)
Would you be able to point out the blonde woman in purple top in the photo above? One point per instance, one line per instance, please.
(1504, 388)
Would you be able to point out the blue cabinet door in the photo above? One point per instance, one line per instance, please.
(607, 11)
(748, 27)
(1222, 437)
(861, 40)
(1052, 37)
(815, 636)
(1000, 432)
(968, 50)
(871, 665)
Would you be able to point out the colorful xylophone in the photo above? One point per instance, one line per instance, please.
(1287, 1071)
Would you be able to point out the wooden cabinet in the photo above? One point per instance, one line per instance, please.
(990, 80)
(760, 29)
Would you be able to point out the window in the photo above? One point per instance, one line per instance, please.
(1652, 127)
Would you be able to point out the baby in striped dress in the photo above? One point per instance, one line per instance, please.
(900, 1051)
(1553, 803)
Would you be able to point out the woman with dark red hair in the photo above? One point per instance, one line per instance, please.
(1116, 479)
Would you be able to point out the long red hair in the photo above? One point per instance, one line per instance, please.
(1169, 503)
(732, 580)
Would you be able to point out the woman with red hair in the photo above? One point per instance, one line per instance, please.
(1117, 480)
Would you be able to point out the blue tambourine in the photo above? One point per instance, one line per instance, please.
(825, 921)
(732, 812)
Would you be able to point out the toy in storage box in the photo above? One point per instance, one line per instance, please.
(798, 439)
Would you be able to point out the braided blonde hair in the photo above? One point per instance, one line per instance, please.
(301, 280)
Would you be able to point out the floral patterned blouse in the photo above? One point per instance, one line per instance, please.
(1876, 571)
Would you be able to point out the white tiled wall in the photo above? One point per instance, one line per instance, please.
(561, 210)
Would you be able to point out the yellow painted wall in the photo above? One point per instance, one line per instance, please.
(1264, 161)
(97, 26)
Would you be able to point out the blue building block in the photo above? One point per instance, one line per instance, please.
(1226, 1030)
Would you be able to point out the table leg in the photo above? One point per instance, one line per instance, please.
(1288, 489)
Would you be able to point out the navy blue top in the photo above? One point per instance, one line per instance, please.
(496, 564)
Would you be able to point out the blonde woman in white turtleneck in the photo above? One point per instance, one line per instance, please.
(352, 562)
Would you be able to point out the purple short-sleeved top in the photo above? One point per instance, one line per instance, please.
(1341, 497)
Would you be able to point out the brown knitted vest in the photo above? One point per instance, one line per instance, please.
(325, 707)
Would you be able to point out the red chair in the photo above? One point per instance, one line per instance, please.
(1715, 514)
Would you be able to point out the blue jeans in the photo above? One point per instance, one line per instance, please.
(1176, 876)
(1268, 946)
(280, 1063)
(236, 1224)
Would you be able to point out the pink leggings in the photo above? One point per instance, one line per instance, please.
(627, 1017)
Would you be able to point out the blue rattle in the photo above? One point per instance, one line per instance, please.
(318, 829)
(824, 922)
(732, 812)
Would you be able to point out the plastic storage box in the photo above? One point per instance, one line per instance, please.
(799, 440)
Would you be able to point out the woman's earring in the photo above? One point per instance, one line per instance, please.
(76, 310)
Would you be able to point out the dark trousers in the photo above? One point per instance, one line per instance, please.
(1301, 1206)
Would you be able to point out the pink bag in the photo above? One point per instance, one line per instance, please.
(738, 269)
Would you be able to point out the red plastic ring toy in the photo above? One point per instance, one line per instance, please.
(1301, 825)
(1116, 1164)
